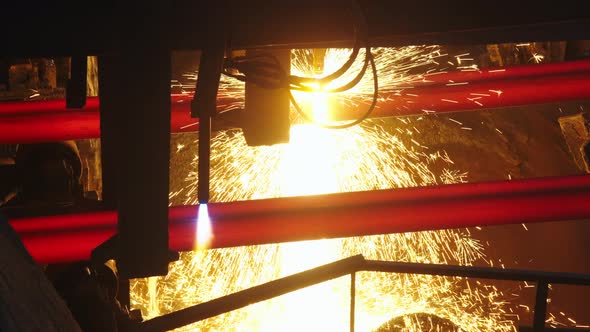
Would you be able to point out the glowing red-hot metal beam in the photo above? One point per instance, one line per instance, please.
(70, 125)
(59, 105)
(439, 78)
(48, 123)
(72, 237)
(502, 73)
(486, 95)
(55, 126)
(41, 106)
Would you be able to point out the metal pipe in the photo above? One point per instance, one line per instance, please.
(72, 237)
(55, 125)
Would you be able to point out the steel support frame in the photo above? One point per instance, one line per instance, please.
(135, 151)
(350, 266)
(309, 23)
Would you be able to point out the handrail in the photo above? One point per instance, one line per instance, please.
(252, 295)
(477, 272)
(349, 266)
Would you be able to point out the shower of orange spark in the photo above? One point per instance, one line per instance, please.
(367, 157)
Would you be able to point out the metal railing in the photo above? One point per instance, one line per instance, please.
(352, 265)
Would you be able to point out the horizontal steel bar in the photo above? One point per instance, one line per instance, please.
(29, 122)
(477, 272)
(502, 73)
(62, 238)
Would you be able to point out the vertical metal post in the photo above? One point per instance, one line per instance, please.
(135, 127)
(540, 306)
(109, 134)
(76, 87)
(352, 300)
(109, 138)
(144, 164)
(135, 133)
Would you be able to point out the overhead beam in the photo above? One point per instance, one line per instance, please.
(263, 23)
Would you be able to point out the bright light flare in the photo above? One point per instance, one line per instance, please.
(316, 104)
(204, 234)
(320, 303)
(316, 161)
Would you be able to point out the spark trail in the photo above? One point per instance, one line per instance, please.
(318, 161)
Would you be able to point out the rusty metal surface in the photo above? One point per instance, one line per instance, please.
(576, 131)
